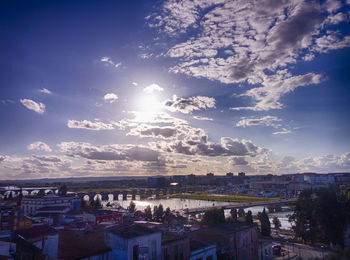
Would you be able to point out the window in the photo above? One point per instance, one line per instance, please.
(181, 251)
(176, 253)
(165, 253)
(135, 252)
(154, 250)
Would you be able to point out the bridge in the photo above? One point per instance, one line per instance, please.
(243, 205)
(15, 191)
(121, 194)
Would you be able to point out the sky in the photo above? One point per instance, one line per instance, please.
(115, 88)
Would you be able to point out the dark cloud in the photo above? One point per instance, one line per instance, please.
(109, 152)
(144, 130)
(47, 158)
(187, 105)
(238, 161)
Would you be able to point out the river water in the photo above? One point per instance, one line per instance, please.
(181, 204)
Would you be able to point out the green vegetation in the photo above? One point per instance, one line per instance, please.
(224, 198)
(213, 217)
(249, 217)
(321, 216)
(265, 225)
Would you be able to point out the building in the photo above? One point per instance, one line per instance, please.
(156, 182)
(201, 250)
(83, 245)
(175, 247)
(133, 242)
(14, 247)
(241, 175)
(30, 205)
(13, 219)
(45, 238)
(265, 249)
(235, 240)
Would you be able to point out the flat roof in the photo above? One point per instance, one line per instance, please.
(132, 230)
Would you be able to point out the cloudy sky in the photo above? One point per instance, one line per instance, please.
(112, 88)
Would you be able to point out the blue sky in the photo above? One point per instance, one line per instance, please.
(109, 88)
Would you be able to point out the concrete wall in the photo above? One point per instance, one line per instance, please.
(123, 248)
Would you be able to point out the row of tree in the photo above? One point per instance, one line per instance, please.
(321, 216)
(158, 214)
(216, 216)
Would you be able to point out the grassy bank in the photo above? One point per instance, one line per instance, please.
(224, 198)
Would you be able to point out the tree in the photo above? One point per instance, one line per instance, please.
(155, 210)
(265, 224)
(41, 193)
(249, 217)
(330, 216)
(213, 217)
(148, 213)
(277, 223)
(83, 203)
(96, 204)
(233, 214)
(132, 207)
(167, 215)
(160, 213)
(305, 225)
(19, 197)
(241, 213)
(62, 191)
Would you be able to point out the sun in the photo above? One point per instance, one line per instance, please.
(148, 107)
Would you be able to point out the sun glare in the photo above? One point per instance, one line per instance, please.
(148, 108)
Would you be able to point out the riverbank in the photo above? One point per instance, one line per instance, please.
(223, 198)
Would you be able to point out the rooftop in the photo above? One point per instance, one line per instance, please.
(132, 230)
(169, 238)
(48, 208)
(37, 232)
(196, 245)
(81, 244)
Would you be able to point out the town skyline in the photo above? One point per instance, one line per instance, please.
(188, 87)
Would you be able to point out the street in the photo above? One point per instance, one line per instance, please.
(294, 251)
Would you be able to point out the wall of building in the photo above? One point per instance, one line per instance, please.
(123, 248)
(204, 253)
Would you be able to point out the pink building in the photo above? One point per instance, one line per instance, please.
(236, 240)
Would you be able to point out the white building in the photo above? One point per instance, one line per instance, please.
(129, 242)
(30, 205)
(200, 250)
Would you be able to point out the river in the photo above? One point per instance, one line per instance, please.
(181, 204)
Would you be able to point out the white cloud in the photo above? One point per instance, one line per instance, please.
(40, 146)
(110, 97)
(32, 105)
(134, 83)
(152, 88)
(204, 118)
(266, 120)
(6, 101)
(284, 131)
(109, 62)
(45, 91)
(187, 105)
(250, 41)
(274, 87)
(85, 124)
